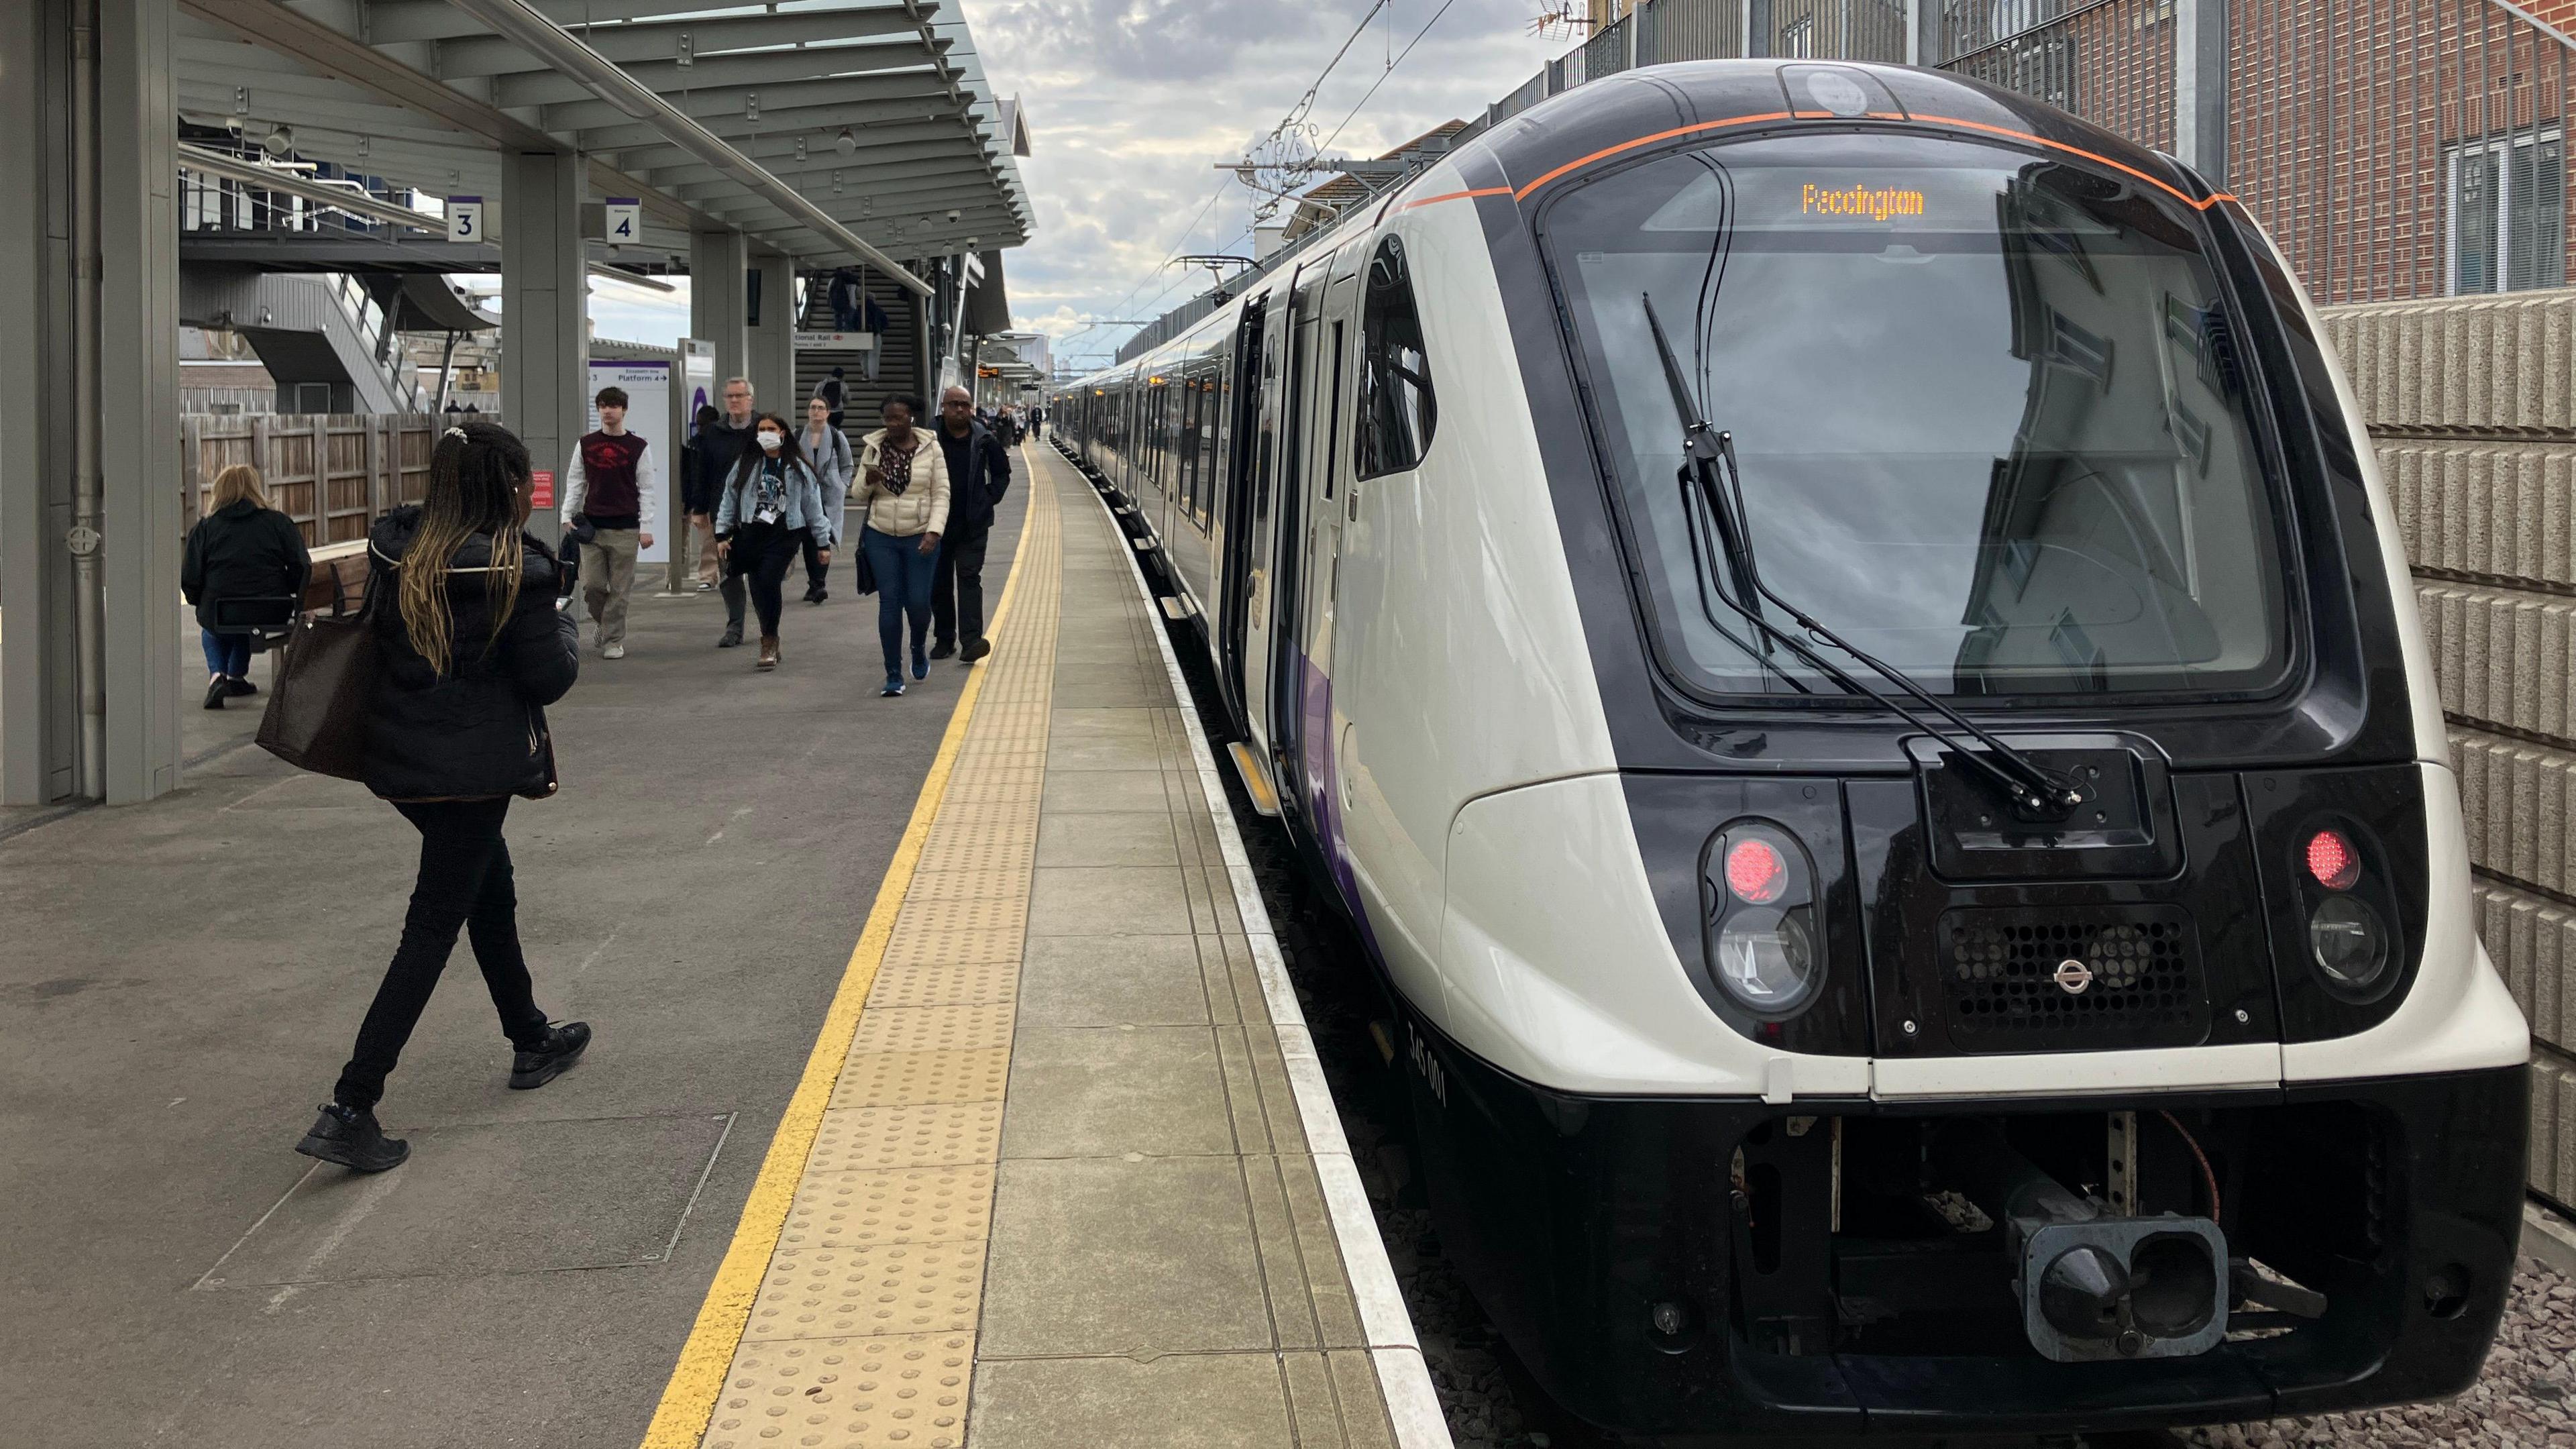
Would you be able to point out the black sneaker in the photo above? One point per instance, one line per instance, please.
(943, 649)
(564, 1046)
(732, 637)
(975, 649)
(238, 687)
(816, 594)
(350, 1137)
(216, 693)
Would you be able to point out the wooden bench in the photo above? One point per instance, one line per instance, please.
(338, 584)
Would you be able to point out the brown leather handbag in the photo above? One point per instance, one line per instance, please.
(317, 708)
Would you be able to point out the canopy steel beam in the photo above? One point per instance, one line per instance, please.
(628, 44)
(391, 22)
(523, 23)
(713, 106)
(725, 72)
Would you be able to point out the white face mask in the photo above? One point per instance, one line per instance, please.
(769, 441)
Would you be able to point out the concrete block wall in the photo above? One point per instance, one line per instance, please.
(2471, 404)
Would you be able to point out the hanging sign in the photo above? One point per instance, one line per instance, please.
(624, 218)
(465, 218)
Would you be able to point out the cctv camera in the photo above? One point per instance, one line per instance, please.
(954, 215)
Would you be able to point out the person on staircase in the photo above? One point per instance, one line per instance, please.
(903, 500)
(614, 481)
(979, 472)
(827, 448)
(772, 500)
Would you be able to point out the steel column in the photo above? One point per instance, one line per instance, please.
(545, 301)
(2200, 87)
(772, 359)
(718, 260)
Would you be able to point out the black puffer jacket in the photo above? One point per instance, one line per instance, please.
(241, 551)
(480, 730)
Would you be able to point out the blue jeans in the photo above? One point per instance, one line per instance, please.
(903, 587)
(226, 654)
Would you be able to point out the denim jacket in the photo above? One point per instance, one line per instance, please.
(803, 497)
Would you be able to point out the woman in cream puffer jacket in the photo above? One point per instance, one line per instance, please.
(903, 496)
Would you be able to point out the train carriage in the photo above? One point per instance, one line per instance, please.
(1836, 634)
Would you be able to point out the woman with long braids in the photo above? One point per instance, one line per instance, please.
(471, 651)
(772, 502)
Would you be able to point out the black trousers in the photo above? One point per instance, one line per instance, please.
(464, 880)
(759, 558)
(817, 572)
(957, 587)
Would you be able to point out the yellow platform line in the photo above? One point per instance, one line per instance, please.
(698, 1378)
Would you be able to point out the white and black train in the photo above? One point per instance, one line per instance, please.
(1836, 634)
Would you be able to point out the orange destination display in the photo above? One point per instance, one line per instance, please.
(1859, 202)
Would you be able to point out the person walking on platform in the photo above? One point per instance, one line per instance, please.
(726, 445)
(242, 559)
(872, 321)
(470, 652)
(1037, 421)
(769, 504)
(615, 482)
(903, 498)
(827, 449)
(698, 487)
(979, 472)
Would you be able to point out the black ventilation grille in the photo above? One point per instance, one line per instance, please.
(2140, 976)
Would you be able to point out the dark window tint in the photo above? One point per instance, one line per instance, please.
(1395, 405)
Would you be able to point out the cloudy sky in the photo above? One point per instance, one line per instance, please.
(1131, 105)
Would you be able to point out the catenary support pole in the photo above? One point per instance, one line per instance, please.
(2200, 87)
(545, 298)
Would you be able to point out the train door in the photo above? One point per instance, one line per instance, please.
(1287, 591)
(1328, 485)
(1255, 652)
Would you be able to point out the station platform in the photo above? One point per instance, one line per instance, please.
(1045, 1160)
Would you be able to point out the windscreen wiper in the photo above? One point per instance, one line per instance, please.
(2030, 788)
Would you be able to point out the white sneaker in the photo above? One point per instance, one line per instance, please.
(613, 651)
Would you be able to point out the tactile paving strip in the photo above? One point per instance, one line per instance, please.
(847, 1393)
(944, 1135)
(885, 1079)
(922, 985)
(883, 1288)
(998, 884)
(909, 1205)
(976, 1026)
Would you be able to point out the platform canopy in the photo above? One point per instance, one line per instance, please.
(827, 130)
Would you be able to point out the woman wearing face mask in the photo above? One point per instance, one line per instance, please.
(771, 503)
(903, 495)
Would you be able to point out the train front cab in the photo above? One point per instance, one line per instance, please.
(2198, 1104)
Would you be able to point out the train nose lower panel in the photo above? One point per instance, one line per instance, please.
(1708, 1266)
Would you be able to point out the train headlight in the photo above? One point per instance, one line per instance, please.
(2348, 942)
(1765, 943)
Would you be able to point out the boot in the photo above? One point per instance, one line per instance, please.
(216, 693)
(768, 651)
(563, 1046)
(350, 1137)
(975, 649)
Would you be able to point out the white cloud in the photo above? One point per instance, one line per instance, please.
(1132, 103)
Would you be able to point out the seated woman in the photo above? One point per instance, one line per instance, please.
(242, 558)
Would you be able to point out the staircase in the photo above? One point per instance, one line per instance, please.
(898, 366)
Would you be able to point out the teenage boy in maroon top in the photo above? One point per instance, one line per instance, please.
(613, 482)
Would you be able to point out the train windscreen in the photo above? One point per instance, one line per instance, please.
(1989, 417)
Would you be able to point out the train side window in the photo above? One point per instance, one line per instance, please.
(1397, 412)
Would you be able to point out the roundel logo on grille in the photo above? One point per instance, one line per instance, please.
(2073, 977)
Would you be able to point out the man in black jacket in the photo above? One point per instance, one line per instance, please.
(719, 447)
(979, 471)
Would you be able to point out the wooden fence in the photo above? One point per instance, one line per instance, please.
(335, 474)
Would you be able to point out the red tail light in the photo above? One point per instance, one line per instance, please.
(2333, 861)
(1755, 872)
